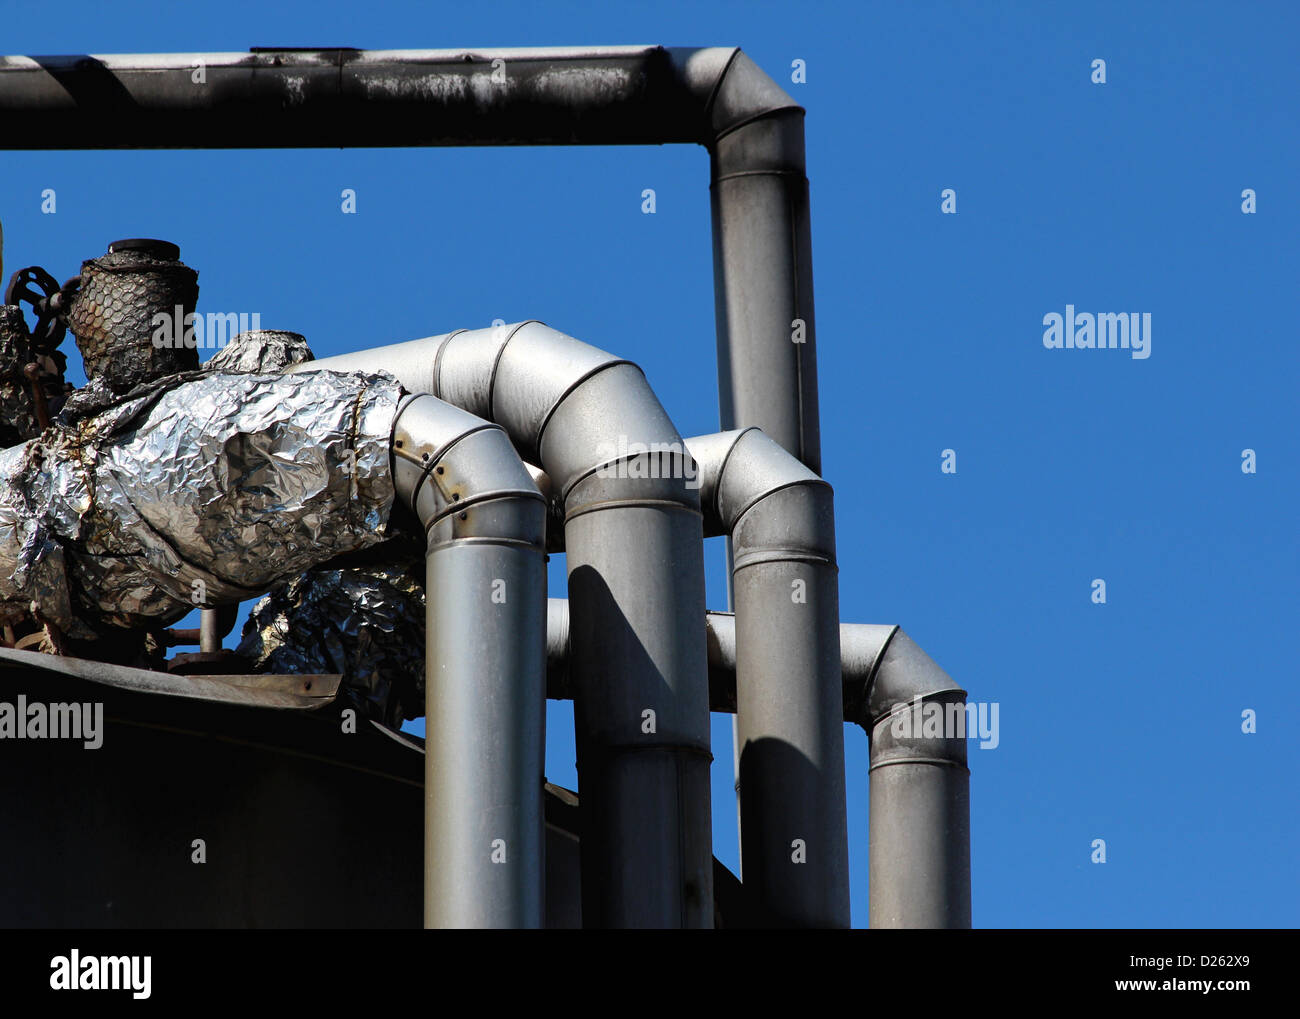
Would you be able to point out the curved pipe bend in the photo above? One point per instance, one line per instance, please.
(571, 408)
(902, 672)
(728, 89)
(448, 463)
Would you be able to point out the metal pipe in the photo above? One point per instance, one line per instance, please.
(633, 537)
(209, 631)
(610, 95)
(920, 802)
(485, 665)
(861, 646)
(789, 700)
(715, 97)
(920, 795)
(762, 252)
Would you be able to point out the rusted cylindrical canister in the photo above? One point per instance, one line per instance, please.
(129, 316)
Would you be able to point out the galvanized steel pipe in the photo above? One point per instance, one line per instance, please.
(920, 797)
(485, 671)
(789, 703)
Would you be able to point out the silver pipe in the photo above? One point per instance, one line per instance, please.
(762, 252)
(209, 631)
(605, 95)
(633, 536)
(919, 868)
(920, 797)
(779, 517)
(485, 665)
(861, 647)
(610, 95)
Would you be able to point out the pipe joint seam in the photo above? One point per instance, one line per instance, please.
(903, 671)
(742, 468)
(449, 463)
(941, 762)
(929, 728)
(759, 557)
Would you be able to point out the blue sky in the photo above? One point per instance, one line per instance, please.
(1119, 721)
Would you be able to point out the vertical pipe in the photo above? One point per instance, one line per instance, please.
(763, 287)
(920, 795)
(789, 712)
(920, 787)
(485, 666)
(789, 695)
(209, 630)
(763, 306)
(641, 711)
(484, 739)
(634, 546)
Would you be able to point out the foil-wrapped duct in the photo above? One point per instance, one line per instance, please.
(192, 491)
(17, 408)
(260, 350)
(366, 623)
(112, 316)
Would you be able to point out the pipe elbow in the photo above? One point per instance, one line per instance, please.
(749, 124)
(762, 496)
(730, 88)
(578, 411)
(907, 693)
(461, 476)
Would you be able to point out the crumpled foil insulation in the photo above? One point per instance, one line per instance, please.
(199, 488)
(366, 623)
(260, 350)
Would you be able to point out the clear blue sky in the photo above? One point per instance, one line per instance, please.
(1119, 721)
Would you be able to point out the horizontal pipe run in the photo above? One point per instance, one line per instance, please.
(296, 98)
(594, 95)
(861, 647)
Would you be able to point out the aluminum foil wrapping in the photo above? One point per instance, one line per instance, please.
(366, 623)
(260, 350)
(199, 489)
(112, 316)
(17, 410)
